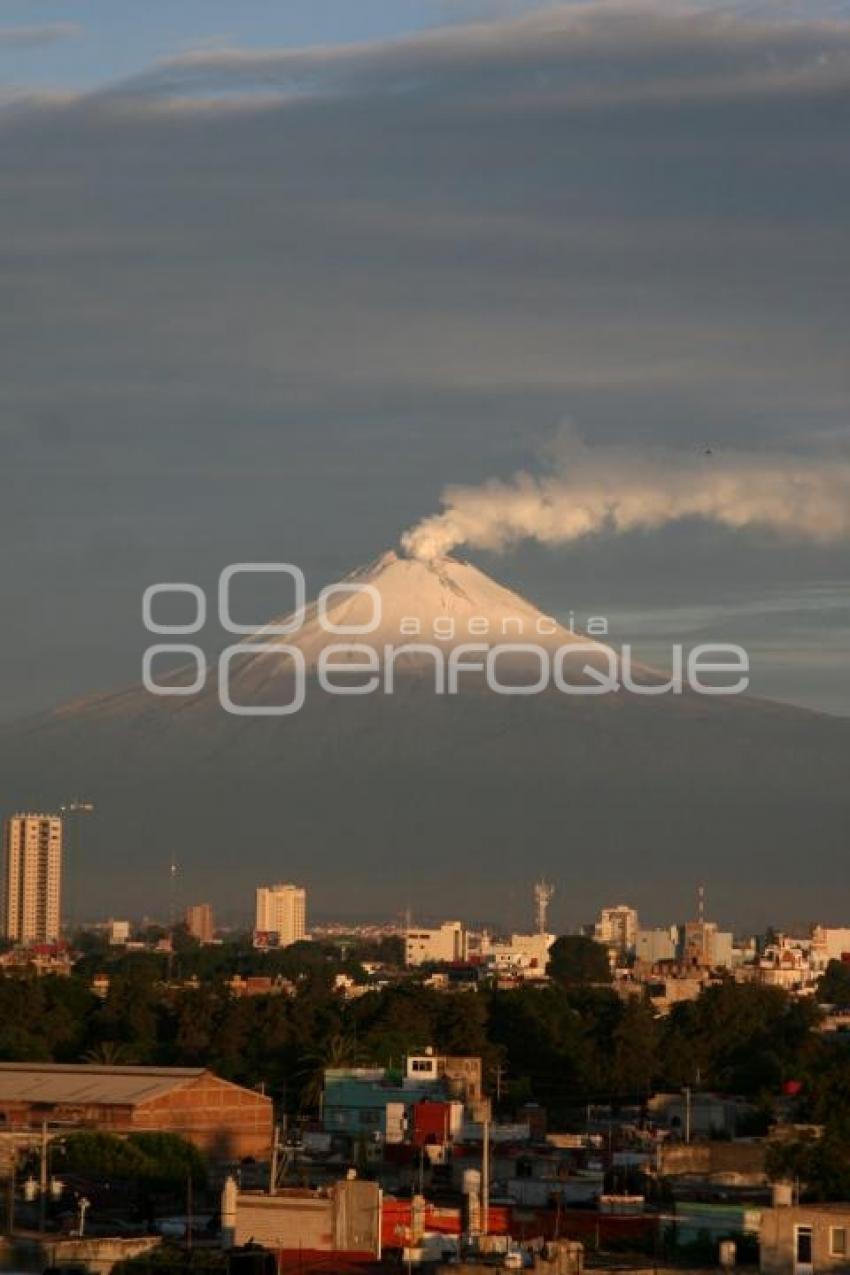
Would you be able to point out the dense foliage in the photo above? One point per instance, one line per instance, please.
(564, 1045)
(575, 959)
(151, 1159)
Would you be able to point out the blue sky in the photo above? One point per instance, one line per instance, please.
(112, 40)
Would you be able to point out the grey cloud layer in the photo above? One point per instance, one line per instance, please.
(272, 326)
(37, 36)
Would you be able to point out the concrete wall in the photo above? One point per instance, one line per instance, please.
(738, 1160)
(100, 1255)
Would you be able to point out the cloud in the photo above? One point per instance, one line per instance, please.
(35, 37)
(619, 490)
(582, 54)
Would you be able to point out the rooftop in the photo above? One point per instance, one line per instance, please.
(84, 1082)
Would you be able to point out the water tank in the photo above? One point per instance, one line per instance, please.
(229, 1206)
(728, 1254)
(471, 1187)
(783, 1195)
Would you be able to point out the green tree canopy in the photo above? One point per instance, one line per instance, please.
(575, 959)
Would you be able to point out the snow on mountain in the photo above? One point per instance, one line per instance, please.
(404, 602)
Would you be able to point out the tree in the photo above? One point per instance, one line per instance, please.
(109, 1053)
(820, 1164)
(633, 1054)
(155, 1159)
(834, 985)
(575, 959)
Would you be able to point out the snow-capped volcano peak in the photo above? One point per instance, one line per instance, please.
(397, 600)
(412, 613)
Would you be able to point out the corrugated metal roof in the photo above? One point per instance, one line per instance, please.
(81, 1082)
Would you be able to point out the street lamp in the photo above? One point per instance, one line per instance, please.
(83, 1205)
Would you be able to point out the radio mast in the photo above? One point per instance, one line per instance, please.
(543, 892)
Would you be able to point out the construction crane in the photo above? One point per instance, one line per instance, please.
(71, 812)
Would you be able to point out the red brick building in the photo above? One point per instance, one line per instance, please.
(222, 1119)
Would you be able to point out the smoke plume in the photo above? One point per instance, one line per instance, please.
(614, 489)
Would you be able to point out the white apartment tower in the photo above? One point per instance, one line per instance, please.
(282, 911)
(32, 879)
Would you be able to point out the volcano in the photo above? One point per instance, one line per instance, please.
(449, 802)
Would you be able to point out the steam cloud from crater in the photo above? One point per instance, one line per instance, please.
(615, 489)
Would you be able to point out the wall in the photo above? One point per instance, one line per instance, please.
(222, 1119)
(100, 1255)
(347, 1217)
(742, 1159)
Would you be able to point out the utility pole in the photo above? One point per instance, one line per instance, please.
(485, 1176)
(43, 1179)
(10, 1203)
(189, 1221)
(273, 1165)
(687, 1114)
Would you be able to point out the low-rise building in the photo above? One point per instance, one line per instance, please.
(222, 1119)
(448, 942)
(523, 956)
(377, 1103)
(798, 1239)
(37, 958)
(829, 945)
(652, 946)
(343, 1219)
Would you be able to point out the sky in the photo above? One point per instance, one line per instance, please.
(277, 274)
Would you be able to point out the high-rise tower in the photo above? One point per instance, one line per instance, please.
(32, 879)
(281, 911)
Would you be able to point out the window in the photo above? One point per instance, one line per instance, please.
(837, 1241)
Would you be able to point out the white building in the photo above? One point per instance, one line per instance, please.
(786, 964)
(32, 879)
(118, 933)
(450, 942)
(617, 928)
(522, 956)
(281, 915)
(828, 945)
(652, 946)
